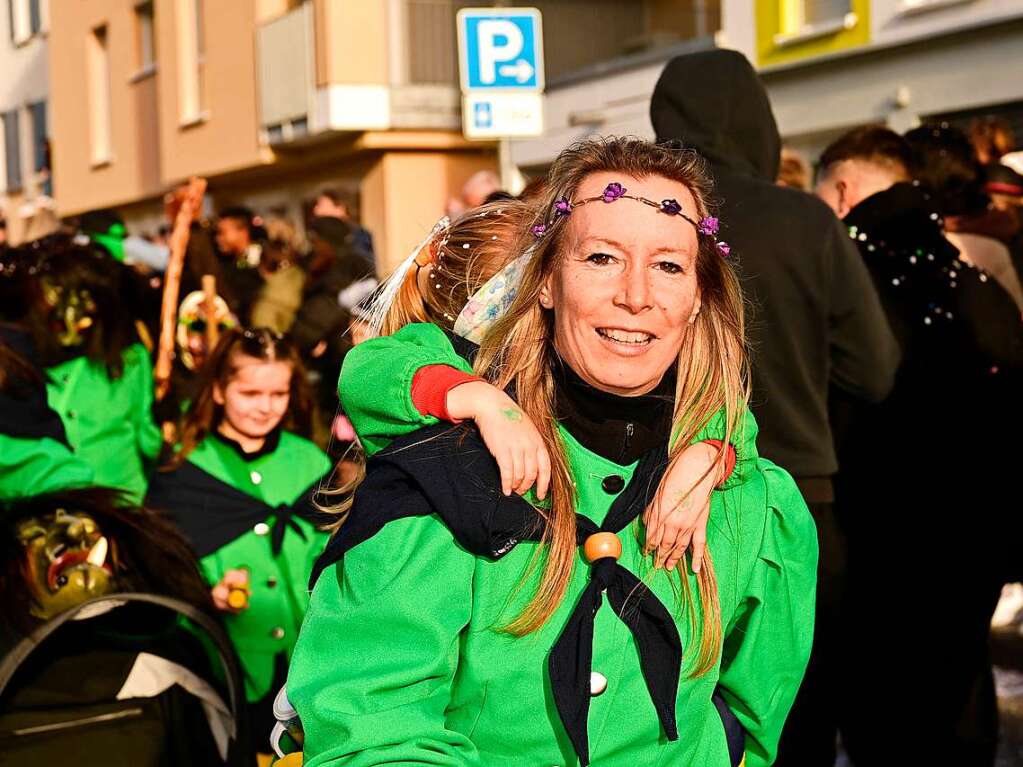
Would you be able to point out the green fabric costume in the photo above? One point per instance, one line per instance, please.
(108, 421)
(279, 595)
(401, 660)
(30, 467)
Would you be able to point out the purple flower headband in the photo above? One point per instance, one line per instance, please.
(707, 226)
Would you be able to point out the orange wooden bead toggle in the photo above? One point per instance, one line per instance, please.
(601, 545)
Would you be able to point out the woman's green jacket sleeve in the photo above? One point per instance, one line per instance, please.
(372, 670)
(767, 641)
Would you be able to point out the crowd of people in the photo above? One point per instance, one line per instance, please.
(376, 522)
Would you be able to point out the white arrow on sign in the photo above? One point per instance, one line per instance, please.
(491, 52)
(521, 70)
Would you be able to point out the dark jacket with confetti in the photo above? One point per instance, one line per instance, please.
(922, 485)
(814, 317)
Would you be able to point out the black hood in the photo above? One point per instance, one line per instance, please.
(713, 102)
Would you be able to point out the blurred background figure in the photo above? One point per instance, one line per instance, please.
(946, 164)
(476, 191)
(334, 202)
(793, 171)
(283, 277)
(78, 324)
(239, 239)
(954, 326)
(992, 138)
(333, 266)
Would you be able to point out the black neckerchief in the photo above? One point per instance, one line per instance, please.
(270, 444)
(212, 513)
(448, 471)
(620, 429)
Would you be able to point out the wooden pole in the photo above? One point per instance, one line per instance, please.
(209, 289)
(190, 207)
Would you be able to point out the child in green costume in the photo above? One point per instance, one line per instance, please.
(98, 374)
(239, 485)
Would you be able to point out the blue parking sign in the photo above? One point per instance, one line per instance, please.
(500, 49)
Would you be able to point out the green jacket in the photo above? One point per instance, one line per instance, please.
(30, 467)
(400, 660)
(108, 422)
(279, 593)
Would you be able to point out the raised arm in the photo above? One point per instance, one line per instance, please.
(376, 382)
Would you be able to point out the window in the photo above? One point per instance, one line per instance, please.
(798, 16)
(12, 150)
(98, 69)
(191, 60)
(40, 146)
(145, 42)
(25, 18)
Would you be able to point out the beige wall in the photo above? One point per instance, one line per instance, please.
(133, 171)
(405, 193)
(351, 42)
(227, 137)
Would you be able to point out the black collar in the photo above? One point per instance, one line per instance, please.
(270, 444)
(620, 429)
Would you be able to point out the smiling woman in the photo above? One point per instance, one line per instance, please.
(473, 623)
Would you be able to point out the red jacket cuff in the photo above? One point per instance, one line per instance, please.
(729, 458)
(430, 387)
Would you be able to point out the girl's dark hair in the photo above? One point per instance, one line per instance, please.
(945, 162)
(263, 344)
(71, 267)
(153, 556)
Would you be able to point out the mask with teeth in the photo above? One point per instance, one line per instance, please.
(71, 312)
(66, 560)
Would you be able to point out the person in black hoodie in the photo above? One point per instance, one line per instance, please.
(816, 321)
(962, 342)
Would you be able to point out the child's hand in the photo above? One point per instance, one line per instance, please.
(508, 433)
(678, 515)
(231, 594)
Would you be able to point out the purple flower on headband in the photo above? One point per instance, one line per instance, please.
(671, 207)
(613, 191)
(724, 249)
(539, 229)
(708, 226)
(562, 208)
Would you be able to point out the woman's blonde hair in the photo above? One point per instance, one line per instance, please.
(712, 362)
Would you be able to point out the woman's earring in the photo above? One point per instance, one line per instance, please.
(693, 316)
(545, 302)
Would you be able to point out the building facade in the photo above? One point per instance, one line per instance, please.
(828, 65)
(270, 100)
(25, 184)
